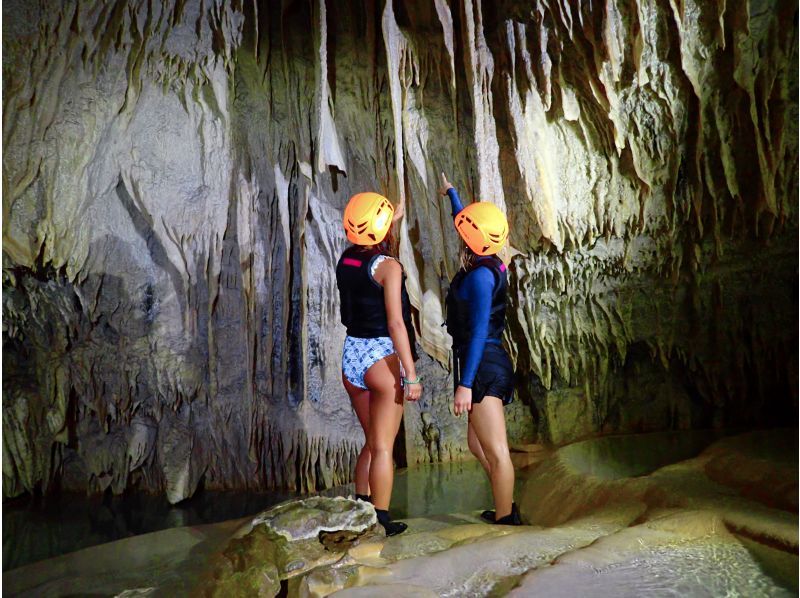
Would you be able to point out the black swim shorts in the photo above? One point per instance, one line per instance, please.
(495, 376)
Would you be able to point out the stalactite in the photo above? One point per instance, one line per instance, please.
(174, 175)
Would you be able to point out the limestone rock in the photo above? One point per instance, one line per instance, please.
(288, 541)
(174, 175)
(304, 519)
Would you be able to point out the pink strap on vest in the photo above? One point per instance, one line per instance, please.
(502, 267)
(348, 261)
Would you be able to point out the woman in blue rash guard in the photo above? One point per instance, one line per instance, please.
(483, 375)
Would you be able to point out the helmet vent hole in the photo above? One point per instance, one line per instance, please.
(371, 236)
(485, 247)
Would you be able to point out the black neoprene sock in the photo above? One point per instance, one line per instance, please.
(364, 497)
(392, 527)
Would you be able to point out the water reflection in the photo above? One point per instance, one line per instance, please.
(40, 529)
(437, 489)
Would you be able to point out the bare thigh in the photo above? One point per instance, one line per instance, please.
(489, 423)
(386, 399)
(359, 397)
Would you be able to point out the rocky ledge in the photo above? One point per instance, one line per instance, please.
(698, 525)
(604, 518)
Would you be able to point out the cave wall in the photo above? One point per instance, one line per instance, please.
(174, 175)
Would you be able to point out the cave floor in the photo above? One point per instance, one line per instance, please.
(722, 522)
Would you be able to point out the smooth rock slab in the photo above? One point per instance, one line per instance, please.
(684, 553)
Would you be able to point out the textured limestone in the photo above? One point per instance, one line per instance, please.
(754, 497)
(174, 175)
(288, 541)
(301, 520)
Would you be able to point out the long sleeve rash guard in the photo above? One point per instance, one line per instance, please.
(476, 288)
(455, 201)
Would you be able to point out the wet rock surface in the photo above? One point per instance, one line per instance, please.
(304, 519)
(164, 563)
(287, 541)
(671, 530)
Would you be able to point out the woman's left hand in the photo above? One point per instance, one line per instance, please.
(413, 391)
(463, 400)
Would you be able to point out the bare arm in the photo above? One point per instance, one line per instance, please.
(389, 275)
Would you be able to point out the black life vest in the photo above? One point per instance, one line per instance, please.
(361, 298)
(458, 310)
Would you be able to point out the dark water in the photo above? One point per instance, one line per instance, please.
(440, 488)
(37, 530)
(34, 530)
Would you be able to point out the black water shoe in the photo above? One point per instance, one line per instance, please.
(513, 518)
(392, 527)
(364, 497)
(488, 516)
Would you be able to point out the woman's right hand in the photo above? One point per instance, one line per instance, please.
(413, 391)
(444, 184)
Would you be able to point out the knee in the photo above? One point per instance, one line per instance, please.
(475, 448)
(497, 454)
(378, 449)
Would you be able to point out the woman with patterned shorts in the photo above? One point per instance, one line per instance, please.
(378, 355)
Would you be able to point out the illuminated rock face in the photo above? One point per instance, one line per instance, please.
(174, 175)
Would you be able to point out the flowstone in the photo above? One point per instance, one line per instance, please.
(654, 523)
(686, 521)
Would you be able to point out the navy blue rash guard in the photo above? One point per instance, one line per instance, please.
(476, 288)
(455, 201)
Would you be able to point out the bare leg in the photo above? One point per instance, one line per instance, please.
(359, 398)
(385, 414)
(475, 448)
(488, 421)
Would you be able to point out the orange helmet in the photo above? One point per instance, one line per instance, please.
(483, 227)
(367, 218)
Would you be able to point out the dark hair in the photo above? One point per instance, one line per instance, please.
(387, 247)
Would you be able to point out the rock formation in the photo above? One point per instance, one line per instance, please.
(174, 174)
(590, 532)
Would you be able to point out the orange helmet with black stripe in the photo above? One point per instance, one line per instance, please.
(483, 226)
(367, 218)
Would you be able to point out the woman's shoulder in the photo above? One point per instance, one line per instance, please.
(481, 277)
(482, 271)
(383, 265)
